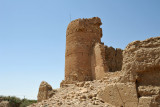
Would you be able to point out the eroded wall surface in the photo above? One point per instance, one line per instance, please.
(113, 58)
(98, 62)
(142, 58)
(81, 36)
(86, 58)
(140, 78)
(141, 65)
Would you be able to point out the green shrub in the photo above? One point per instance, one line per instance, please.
(17, 102)
(26, 102)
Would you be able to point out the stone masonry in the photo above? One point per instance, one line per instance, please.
(100, 76)
(85, 54)
(139, 82)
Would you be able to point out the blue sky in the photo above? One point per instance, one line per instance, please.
(32, 36)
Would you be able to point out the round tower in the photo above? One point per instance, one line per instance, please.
(81, 35)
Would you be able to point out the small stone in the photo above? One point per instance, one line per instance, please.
(90, 96)
(69, 103)
(91, 87)
(84, 90)
(94, 98)
(59, 103)
(94, 95)
(64, 97)
(80, 84)
(95, 103)
(83, 97)
(86, 84)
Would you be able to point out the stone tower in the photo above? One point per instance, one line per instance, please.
(81, 36)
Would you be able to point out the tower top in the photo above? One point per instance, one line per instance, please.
(91, 25)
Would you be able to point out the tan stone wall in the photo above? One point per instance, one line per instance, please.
(98, 62)
(139, 83)
(81, 36)
(113, 58)
(141, 64)
(142, 58)
(86, 58)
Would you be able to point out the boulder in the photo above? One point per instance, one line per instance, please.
(45, 91)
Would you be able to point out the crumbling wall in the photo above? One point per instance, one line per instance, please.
(141, 64)
(140, 76)
(86, 58)
(98, 62)
(81, 36)
(113, 58)
(142, 58)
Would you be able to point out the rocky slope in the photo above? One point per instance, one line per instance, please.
(81, 94)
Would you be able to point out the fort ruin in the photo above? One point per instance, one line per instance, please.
(86, 57)
(98, 75)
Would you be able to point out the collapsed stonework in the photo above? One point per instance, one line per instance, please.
(139, 83)
(100, 76)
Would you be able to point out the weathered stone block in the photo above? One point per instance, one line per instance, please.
(45, 91)
(111, 95)
(131, 104)
(147, 102)
(148, 90)
(120, 94)
(127, 92)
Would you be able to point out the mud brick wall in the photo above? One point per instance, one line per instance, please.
(81, 36)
